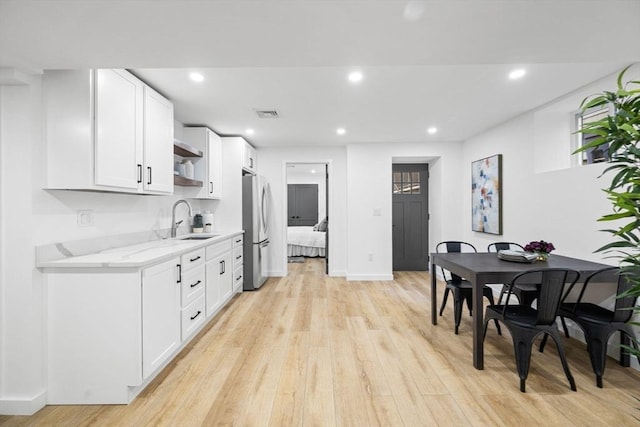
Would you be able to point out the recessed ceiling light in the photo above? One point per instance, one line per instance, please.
(355, 76)
(249, 131)
(196, 77)
(313, 171)
(432, 130)
(341, 131)
(516, 74)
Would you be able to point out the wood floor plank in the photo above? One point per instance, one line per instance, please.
(314, 350)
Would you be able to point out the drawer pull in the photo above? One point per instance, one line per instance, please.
(239, 256)
(194, 259)
(196, 284)
(238, 278)
(196, 315)
(239, 240)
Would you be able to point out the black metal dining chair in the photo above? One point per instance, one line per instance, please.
(599, 323)
(525, 292)
(525, 323)
(460, 288)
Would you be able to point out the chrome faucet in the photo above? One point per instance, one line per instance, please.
(174, 224)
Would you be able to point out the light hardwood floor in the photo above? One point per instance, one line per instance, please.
(312, 350)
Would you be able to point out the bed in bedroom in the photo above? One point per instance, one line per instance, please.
(304, 241)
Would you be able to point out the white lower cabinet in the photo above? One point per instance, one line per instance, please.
(219, 270)
(110, 331)
(160, 314)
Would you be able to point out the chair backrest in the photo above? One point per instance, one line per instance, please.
(451, 246)
(552, 282)
(504, 246)
(626, 278)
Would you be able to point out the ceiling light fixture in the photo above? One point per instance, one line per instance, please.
(355, 76)
(196, 77)
(341, 131)
(313, 171)
(432, 130)
(516, 74)
(249, 131)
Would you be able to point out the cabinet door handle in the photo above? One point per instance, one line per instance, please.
(239, 256)
(238, 278)
(179, 273)
(196, 315)
(149, 170)
(251, 162)
(194, 259)
(210, 187)
(196, 284)
(139, 173)
(239, 240)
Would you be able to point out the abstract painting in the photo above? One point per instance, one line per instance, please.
(486, 195)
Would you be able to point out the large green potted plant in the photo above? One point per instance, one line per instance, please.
(621, 131)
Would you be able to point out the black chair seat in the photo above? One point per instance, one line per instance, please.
(521, 315)
(599, 323)
(586, 312)
(461, 288)
(526, 323)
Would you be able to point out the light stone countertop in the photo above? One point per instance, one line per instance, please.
(132, 256)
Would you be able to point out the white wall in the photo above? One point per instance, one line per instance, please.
(543, 196)
(272, 164)
(29, 217)
(369, 190)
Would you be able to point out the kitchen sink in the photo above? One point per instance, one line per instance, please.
(197, 237)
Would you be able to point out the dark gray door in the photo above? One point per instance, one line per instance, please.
(410, 217)
(302, 202)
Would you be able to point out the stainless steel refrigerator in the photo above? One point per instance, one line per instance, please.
(255, 222)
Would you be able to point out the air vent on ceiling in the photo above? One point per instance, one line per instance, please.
(267, 114)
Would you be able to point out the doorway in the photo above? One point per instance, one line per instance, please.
(307, 212)
(410, 217)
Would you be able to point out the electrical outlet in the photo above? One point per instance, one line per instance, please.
(85, 217)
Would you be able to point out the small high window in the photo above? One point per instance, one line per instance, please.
(597, 154)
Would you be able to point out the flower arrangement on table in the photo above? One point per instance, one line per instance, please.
(541, 248)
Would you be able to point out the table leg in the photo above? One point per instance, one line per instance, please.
(434, 302)
(478, 323)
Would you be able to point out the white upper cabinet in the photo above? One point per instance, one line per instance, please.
(118, 129)
(249, 158)
(158, 142)
(106, 131)
(209, 169)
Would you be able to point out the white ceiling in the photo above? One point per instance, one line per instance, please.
(425, 63)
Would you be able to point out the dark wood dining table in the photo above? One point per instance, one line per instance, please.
(486, 268)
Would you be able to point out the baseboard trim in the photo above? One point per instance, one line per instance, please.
(23, 406)
(369, 277)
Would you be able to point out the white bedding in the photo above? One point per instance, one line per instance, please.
(303, 241)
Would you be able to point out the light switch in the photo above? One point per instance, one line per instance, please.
(85, 217)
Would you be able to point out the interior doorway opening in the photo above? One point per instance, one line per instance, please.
(307, 212)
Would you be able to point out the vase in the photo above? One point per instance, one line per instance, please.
(542, 256)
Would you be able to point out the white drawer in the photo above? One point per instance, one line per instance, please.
(237, 257)
(237, 279)
(218, 249)
(192, 259)
(192, 285)
(193, 317)
(238, 240)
